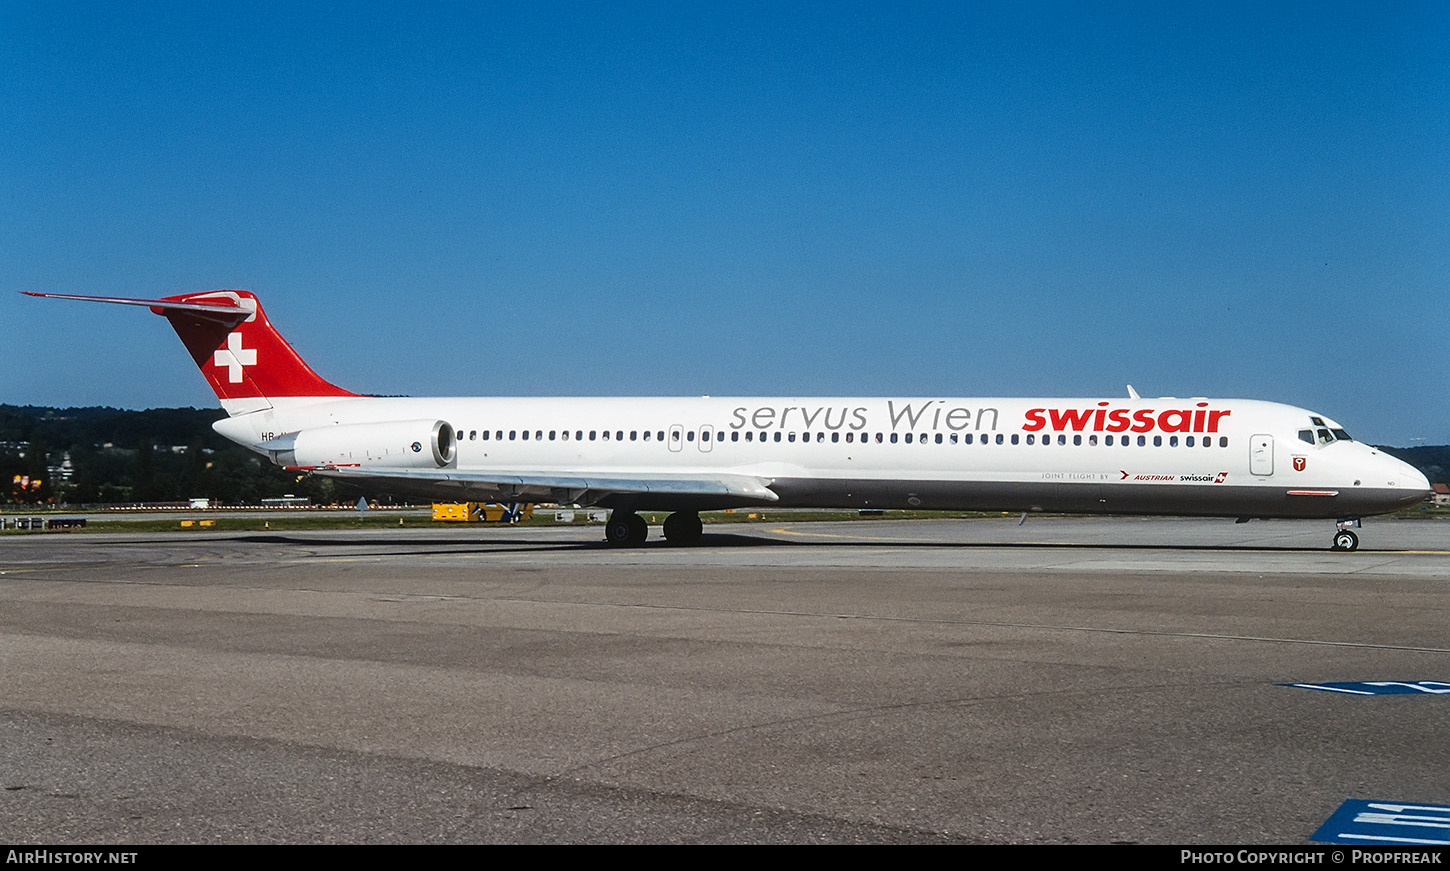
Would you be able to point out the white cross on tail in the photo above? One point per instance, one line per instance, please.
(234, 357)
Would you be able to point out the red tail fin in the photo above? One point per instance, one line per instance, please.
(243, 358)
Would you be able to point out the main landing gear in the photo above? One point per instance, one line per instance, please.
(1343, 538)
(683, 527)
(627, 529)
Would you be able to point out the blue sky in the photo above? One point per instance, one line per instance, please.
(960, 199)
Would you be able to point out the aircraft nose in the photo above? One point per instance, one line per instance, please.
(1410, 481)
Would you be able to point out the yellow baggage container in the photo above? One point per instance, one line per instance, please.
(458, 512)
(473, 512)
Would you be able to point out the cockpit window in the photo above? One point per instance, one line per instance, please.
(1324, 433)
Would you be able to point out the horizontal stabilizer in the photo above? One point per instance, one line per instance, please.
(223, 310)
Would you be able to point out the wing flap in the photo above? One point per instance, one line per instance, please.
(580, 488)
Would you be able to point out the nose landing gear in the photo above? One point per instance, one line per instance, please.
(1344, 539)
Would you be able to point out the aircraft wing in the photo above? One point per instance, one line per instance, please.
(666, 491)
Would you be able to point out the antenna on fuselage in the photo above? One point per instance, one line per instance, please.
(1133, 394)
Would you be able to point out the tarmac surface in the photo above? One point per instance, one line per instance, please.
(1069, 680)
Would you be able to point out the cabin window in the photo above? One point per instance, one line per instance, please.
(1092, 441)
(790, 437)
(893, 438)
(966, 438)
(1142, 440)
(777, 436)
(634, 435)
(1031, 439)
(552, 433)
(1223, 441)
(1188, 441)
(513, 433)
(1173, 441)
(1077, 440)
(592, 434)
(1157, 441)
(734, 436)
(1108, 440)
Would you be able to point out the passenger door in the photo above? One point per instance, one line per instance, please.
(1261, 455)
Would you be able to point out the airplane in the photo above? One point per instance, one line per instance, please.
(1245, 459)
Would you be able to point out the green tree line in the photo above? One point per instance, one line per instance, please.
(157, 455)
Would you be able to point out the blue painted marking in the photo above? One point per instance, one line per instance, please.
(1386, 822)
(1379, 687)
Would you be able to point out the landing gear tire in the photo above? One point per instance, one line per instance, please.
(1345, 540)
(626, 530)
(683, 527)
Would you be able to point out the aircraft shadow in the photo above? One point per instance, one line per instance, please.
(463, 545)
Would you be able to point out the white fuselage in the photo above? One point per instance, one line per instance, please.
(1241, 458)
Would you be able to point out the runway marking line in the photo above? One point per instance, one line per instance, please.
(784, 531)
